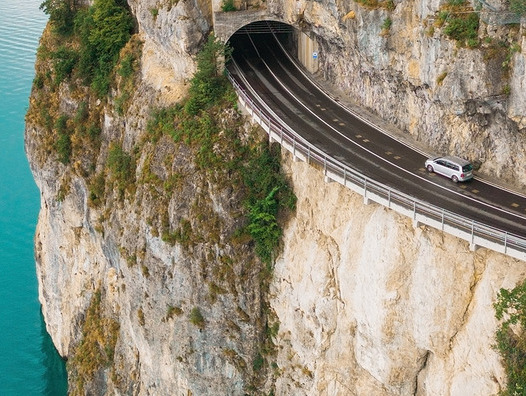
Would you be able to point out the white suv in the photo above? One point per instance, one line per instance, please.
(455, 168)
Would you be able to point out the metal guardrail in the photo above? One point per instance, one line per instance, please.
(476, 233)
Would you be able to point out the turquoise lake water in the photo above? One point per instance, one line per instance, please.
(29, 364)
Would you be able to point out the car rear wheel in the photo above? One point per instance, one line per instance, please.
(454, 178)
(430, 168)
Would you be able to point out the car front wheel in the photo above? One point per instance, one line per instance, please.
(430, 168)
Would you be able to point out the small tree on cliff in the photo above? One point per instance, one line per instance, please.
(209, 83)
(103, 30)
(61, 14)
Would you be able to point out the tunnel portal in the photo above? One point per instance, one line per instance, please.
(297, 43)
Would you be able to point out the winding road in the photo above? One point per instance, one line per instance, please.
(263, 64)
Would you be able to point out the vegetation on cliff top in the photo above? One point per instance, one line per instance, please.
(102, 31)
(83, 52)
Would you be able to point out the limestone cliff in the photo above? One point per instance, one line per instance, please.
(396, 59)
(369, 305)
(366, 304)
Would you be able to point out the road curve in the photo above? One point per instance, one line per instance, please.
(359, 145)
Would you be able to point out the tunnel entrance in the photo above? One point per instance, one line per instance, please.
(295, 42)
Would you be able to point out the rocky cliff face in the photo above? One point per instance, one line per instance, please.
(396, 59)
(366, 304)
(370, 305)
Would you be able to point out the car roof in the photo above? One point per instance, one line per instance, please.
(453, 158)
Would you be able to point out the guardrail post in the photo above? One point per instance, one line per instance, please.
(472, 246)
(365, 199)
(327, 178)
(295, 159)
(416, 223)
(344, 177)
(505, 243)
(389, 199)
(270, 138)
(308, 155)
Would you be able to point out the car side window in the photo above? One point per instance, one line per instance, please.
(440, 162)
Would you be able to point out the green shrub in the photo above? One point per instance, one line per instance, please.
(38, 81)
(162, 122)
(64, 61)
(183, 235)
(442, 17)
(228, 6)
(122, 166)
(82, 114)
(196, 318)
(63, 146)
(386, 25)
(208, 84)
(131, 260)
(262, 174)
(63, 142)
(264, 227)
(96, 189)
(511, 345)
(61, 15)
(103, 30)
(463, 28)
(258, 362)
(94, 132)
(121, 102)
(127, 66)
(272, 331)
(47, 119)
(472, 43)
(268, 192)
(518, 6)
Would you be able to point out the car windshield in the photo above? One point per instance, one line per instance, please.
(467, 168)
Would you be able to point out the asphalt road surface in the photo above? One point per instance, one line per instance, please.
(333, 129)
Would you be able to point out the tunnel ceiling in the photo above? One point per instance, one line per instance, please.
(265, 27)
